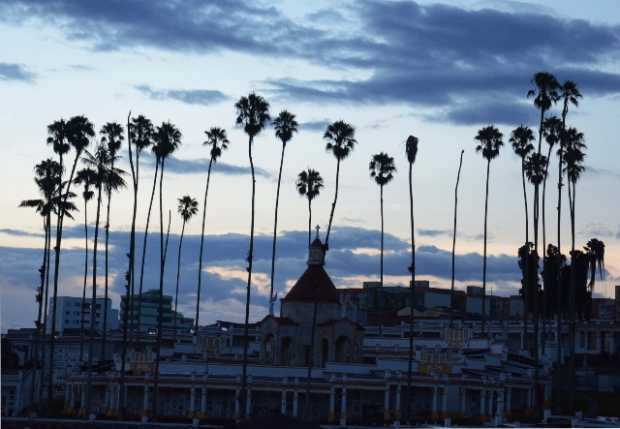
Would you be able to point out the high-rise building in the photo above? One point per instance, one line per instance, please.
(147, 305)
(68, 314)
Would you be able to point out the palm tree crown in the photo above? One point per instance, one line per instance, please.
(216, 138)
(252, 113)
(552, 130)
(57, 137)
(309, 183)
(521, 140)
(87, 177)
(546, 92)
(340, 138)
(187, 207)
(142, 132)
(382, 168)
(167, 140)
(411, 148)
(535, 168)
(79, 131)
(106, 176)
(285, 126)
(574, 155)
(570, 94)
(490, 141)
(112, 136)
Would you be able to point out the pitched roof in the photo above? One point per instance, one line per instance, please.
(314, 284)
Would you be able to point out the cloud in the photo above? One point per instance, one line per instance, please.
(432, 232)
(201, 165)
(318, 126)
(15, 72)
(602, 172)
(479, 113)
(203, 97)
(19, 232)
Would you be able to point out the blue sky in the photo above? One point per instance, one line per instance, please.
(439, 71)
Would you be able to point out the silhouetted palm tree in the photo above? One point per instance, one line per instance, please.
(167, 139)
(521, 140)
(106, 176)
(309, 184)
(411, 150)
(87, 177)
(253, 115)
(285, 126)
(456, 201)
(489, 142)
(112, 137)
(382, 169)
(62, 135)
(218, 142)
(187, 208)
(552, 131)
(341, 141)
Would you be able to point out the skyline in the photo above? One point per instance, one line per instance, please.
(144, 77)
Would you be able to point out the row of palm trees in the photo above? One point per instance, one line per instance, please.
(102, 178)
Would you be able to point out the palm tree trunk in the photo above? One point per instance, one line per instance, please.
(160, 308)
(201, 251)
(572, 331)
(456, 202)
(381, 209)
(544, 190)
(57, 247)
(106, 267)
(309, 223)
(275, 233)
(82, 321)
(128, 312)
(146, 235)
(527, 216)
(46, 299)
(37, 340)
(331, 214)
(484, 257)
(248, 287)
(176, 293)
(93, 307)
(559, 261)
(411, 297)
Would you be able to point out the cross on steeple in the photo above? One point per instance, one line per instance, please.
(317, 231)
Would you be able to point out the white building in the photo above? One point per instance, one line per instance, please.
(68, 315)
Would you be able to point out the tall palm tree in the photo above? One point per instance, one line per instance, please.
(218, 143)
(382, 170)
(521, 140)
(341, 141)
(552, 131)
(187, 208)
(167, 141)
(456, 201)
(105, 176)
(489, 143)
(411, 150)
(87, 177)
(285, 126)
(112, 137)
(309, 184)
(77, 133)
(253, 115)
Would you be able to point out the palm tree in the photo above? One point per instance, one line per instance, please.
(253, 115)
(106, 177)
(489, 142)
(340, 138)
(167, 140)
(87, 177)
(411, 150)
(285, 126)
(569, 93)
(309, 184)
(62, 135)
(552, 131)
(187, 208)
(456, 200)
(521, 140)
(382, 169)
(112, 136)
(218, 143)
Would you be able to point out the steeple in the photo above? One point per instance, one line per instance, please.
(316, 255)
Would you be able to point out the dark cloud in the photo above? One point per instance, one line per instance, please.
(432, 232)
(318, 126)
(602, 172)
(201, 165)
(19, 232)
(479, 113)
(203, 97)
(16, 72)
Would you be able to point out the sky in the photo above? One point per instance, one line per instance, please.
(437, 70)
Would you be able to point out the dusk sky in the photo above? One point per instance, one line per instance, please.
(439, 71)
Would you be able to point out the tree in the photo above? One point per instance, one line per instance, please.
(218, 143)
(341, 141)
(309, 184)
(87, 177)
(112, 137)
(75, 133)
(411, 150)
(521, 140)
(106, 177)
(167, 140)
(382, 170)
(285, 126)
(456, 201)
(489, 142)
(552, 131)
(252, 115)
(187, 208)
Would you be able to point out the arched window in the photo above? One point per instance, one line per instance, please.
(343, 349)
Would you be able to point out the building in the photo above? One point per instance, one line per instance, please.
(146, 308)
(69, 315)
